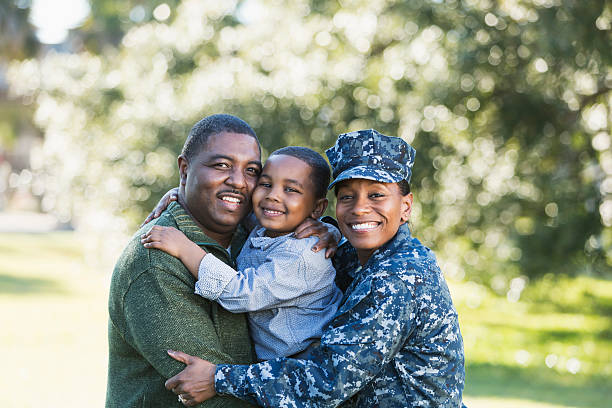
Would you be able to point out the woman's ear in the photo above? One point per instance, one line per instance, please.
(182, 165)
(406, 207)
(319, 208)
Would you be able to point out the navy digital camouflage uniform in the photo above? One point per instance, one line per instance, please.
(395, 340)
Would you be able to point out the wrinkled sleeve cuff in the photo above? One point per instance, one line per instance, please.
(213, 277)
(231, 379)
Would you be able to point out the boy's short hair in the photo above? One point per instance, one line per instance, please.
(320, 172)
(213, 125)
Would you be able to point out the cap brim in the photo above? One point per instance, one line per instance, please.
(367, 173)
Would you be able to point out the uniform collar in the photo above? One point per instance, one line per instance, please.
(349, 254)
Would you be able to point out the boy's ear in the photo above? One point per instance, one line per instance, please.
(182, 165)
(319, 208)
(406, 208)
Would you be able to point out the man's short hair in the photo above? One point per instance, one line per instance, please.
(319, 169)
(213, 125)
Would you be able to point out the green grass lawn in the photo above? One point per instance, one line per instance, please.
(553, 348)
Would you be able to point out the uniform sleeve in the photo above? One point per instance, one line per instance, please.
(163, 313)
(368, 331)
(276, 282)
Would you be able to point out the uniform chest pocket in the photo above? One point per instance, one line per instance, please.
(353, 322)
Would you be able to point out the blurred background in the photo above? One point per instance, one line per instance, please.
(508, 104)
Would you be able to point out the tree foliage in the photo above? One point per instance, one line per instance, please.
(507, 103)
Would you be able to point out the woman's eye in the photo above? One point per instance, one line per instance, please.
(344, 197)
(377, 195)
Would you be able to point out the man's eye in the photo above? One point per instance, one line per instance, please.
(221, 165)
(253, 171)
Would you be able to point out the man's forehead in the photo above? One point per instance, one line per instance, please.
(236, 146)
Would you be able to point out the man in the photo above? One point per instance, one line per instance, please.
(152, 305)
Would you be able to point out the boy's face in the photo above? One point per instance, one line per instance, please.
(284, 195)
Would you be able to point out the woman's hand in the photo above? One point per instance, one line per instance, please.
(164, 202)
(329, 236)
(196, 383)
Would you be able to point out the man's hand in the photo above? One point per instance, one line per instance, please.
(196, 383)
(329, 236)
(164, 202)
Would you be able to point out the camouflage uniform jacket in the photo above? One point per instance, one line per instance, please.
(394, 342)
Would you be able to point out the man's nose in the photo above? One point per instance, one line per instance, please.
(237, 179)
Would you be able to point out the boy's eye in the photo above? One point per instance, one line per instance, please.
(291, 190)
(264, 184)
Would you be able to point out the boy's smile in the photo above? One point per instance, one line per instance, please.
(284, 195)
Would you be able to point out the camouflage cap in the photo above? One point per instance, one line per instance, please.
(370, 155)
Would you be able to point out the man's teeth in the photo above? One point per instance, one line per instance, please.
(231, 200)
(364, 226)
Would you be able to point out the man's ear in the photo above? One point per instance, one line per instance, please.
(182, 165)
(319, 208)
(406, 208)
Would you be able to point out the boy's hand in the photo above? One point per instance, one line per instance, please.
(168, 239)
(175, 243)
(329, 236)
(164, 202)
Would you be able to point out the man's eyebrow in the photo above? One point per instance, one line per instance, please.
(257, 162)
(228, 158)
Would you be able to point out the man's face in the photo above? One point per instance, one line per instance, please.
(217, 183)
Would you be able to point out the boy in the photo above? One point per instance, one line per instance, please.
(287, 288)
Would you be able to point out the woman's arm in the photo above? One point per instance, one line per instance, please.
(362, 339)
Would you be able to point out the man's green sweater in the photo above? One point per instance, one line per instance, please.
(153, 308)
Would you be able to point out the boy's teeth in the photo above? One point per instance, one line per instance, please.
(273, 212)
(365, 225)
(231, 199)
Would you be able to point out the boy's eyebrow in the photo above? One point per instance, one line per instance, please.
(291, 181)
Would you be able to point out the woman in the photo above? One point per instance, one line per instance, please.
(395, 341)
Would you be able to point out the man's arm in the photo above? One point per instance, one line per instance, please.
(162, 313)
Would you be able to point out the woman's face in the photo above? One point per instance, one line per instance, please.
(369, 213)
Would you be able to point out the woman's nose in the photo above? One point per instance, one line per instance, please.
(361, 206)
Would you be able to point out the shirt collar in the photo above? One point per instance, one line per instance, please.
(258, 238)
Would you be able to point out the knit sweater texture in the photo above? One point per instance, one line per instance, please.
(153, 308)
